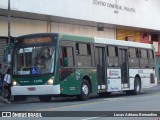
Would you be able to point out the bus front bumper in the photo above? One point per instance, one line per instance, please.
(36, 90)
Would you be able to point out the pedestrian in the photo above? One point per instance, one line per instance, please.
(3, 71)
(7, 86)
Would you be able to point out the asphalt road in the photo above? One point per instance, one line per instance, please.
(148, 100)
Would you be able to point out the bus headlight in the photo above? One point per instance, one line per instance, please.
(15, 83)
(50, 81)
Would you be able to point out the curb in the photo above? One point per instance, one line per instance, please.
(1, 100)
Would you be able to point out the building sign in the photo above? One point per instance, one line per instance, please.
(113, 6)
(130, 38)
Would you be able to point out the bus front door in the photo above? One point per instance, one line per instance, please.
(100, 64)
(123, 60)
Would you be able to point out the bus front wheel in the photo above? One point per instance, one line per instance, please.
(44, 98)
(85, 90)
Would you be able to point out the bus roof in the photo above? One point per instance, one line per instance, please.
(106, 41)
(76, 38)
(94, 40)
(123, 43)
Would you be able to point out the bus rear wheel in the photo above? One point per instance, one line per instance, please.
(45, 98)
(137, 87)
(85, 90)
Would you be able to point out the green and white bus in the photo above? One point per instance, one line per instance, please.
(54, 64)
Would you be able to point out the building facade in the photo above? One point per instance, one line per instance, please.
(132, 20)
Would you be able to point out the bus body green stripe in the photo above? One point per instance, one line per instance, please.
(77, 38)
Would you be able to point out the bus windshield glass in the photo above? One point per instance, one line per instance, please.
(32, 59)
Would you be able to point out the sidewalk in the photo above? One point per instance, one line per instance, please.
(1, 100)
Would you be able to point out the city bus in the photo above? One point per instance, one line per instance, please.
(54, 64)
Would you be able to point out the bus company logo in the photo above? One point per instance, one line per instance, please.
(113, 73)
(140, 71)
(25, 82)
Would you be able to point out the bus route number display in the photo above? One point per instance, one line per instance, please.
(36, 40)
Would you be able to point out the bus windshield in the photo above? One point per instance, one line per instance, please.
(34, 60)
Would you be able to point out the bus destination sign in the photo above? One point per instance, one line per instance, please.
(40, 40)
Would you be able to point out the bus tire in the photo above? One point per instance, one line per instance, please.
(85, 90)
(137, 87)
(104, 94)
(45, 98)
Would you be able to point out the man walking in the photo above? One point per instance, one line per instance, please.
(7, 86)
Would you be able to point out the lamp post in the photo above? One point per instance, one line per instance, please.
(9, 23)
(8, 50)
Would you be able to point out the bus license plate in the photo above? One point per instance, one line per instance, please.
(31, 89)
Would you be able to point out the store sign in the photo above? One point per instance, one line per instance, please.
(130, 38)
(113, 6)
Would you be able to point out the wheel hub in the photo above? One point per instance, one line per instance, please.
(85, 89)
(137, 87)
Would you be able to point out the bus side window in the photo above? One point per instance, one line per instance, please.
(133, 57)
(63, 57)
(144, 63)
(66, 57)
(137, 54)
(83, 55)
(151, 59)
(112, 53)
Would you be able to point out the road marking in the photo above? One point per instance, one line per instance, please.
(86, 104)
(91, 118)
(69, 106)
(106, 100)
(111, 99)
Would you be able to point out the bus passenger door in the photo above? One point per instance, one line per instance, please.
(123, 61)
(67, 67)
(100, 64)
